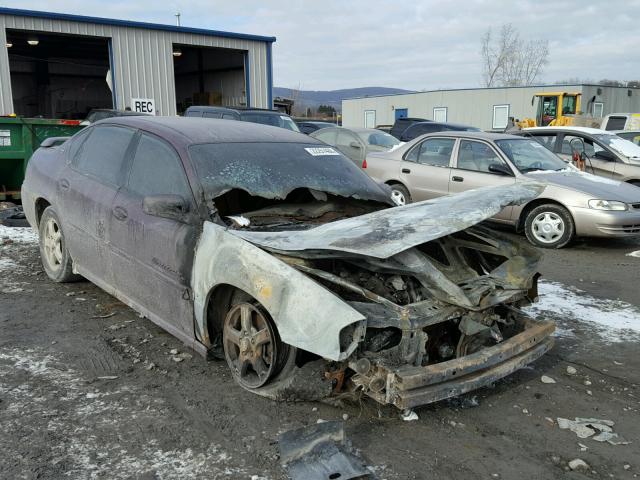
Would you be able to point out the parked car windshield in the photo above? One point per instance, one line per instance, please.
(528, 155)
(273, 170)
(274, 120)
(380, 139)
(620, 145)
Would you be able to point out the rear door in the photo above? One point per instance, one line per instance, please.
(471, 170)
(86, 190)
(153, 256)
(425, 169)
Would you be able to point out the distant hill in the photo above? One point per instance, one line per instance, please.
(314, 98)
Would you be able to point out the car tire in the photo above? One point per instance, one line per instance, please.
(278, 358)
(549, 226)
(400, 194)
(56, 261)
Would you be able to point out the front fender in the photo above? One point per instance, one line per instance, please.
(307, 315)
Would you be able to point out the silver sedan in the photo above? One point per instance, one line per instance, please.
(573, 203)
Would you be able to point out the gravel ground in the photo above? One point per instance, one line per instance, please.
(90, 390)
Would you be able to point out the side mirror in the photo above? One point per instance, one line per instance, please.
(173, 207)
(500, 169)
(355, 145)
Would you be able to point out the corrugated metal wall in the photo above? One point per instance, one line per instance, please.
(475, 106)
(142, 60)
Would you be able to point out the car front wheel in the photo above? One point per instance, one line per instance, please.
(549, 226)
(56, 260)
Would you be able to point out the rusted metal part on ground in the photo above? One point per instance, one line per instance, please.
(320, 452)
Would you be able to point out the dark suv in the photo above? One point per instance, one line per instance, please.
(254, 115)
(421, 128)
(401, 124)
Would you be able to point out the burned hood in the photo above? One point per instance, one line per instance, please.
(385, 233)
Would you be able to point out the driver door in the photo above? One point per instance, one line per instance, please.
(351, 146)
(472, 171)
(153, 256)
(596, 162)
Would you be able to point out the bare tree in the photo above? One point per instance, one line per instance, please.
(510, 61)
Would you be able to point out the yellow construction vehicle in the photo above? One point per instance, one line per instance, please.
(554, 109)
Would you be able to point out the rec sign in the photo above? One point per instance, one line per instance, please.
(143, 105)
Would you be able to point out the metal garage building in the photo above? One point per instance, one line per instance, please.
(485, 108)
(60, 66)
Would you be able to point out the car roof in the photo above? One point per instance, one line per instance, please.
(623, 131)
(190, 130)
(592, 131)
(429, 122)
(472, 134)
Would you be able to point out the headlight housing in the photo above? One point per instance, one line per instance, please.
(599, 204)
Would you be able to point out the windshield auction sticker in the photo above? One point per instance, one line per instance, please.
(321, 151)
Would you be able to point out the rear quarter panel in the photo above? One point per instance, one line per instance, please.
(40, 180)
(383, 168)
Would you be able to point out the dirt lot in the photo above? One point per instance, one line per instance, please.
(90, 390)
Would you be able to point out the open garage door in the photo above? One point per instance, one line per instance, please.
(209, 76)
(58, 76)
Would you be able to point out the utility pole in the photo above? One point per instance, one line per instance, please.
(177, 15)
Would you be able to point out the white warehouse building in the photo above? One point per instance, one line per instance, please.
(485, 108)
(60, 66)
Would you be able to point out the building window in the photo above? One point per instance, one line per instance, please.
(597, 109)
(369, 119)
(440, 114)
(500, 117)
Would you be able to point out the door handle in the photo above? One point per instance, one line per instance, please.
(455, 178)
(63, 183)
(406, 170)
(120, 213)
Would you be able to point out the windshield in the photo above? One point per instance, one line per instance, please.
(528, 155)
(620, 145)
(273, 170)
(380, 139)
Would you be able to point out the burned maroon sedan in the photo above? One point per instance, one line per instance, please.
(275, 252)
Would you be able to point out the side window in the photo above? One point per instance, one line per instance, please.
(102, 154)
(572, 142)
(548, 141)
(436, 152)
(345, 139)
(74, 145)
(157, 170)
(412, 156)
(211, 115)
(228, 116)
(477, 156)
(328, 137)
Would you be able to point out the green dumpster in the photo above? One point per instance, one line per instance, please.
(19, 138)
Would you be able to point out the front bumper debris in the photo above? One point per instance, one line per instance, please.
(411, 386)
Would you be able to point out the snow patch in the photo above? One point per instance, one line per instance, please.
(614, 320)
(19, 234)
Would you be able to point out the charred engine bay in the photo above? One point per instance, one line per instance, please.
(438, 301)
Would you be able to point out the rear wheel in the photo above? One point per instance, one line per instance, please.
(55, 257)
(549, 226)
(400, 194)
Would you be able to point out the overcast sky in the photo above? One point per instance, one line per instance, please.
(326, 45)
